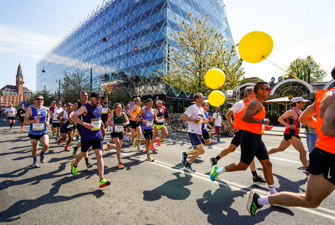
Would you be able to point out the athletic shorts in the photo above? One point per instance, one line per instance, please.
(65, 128)
(134, 124)
(322, 162)
(196, 139)
(75, 126)
(251, 146)
(217, 129)
(11, 118)
(205, 134)
(159, 126)
(36, 137)
(148, 134)
(117, 135)
(50, 121)
(289, 136)
(237, 138)
(104, 121)
(21, 118)
(57, 125)
(95, 143)
(79, 127)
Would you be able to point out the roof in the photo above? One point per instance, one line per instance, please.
(283, 99)
(8, 88)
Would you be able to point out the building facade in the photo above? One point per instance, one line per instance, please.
(15, 94)
(137, 33)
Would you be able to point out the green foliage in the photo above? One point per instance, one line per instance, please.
(48, 97)
(116, 93)
(300, 67)
(199, 49)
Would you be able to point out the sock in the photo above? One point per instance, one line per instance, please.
(148, 155)
(218, 135)
(254, 173)
(75, 148)
(42, 153)
(221, 170)
(86, 160)
(138, 141)
(74, 165)
(272, 189)
(187, 164)
(217, 158)
(35, 158)
(263, 200)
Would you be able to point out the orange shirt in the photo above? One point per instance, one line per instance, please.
(256, 127)
(238, 123)
(135, 113)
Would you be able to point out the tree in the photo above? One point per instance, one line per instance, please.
(115, 92)
(197, 50)
(300, 67)
(48, 97)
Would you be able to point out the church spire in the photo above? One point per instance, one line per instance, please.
(19, 71)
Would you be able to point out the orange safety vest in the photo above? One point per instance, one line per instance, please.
(238, 123)
(135, 113)
(256, 128)
(324, 142)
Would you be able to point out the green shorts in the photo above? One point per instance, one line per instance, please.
(159, 126)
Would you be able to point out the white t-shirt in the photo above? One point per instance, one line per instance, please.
(194, 112)
(11, 112)
(57, 111)
(217, 117)
(237, 107)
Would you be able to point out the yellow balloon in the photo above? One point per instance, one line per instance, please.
(216, 98)
(255, 46)
(215, 78)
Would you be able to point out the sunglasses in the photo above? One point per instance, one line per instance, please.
(39, 99)
(68, 105)
(266, 89)
(139, 100)
(205, 105)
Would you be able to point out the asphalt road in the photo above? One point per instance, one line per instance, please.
(159, 192)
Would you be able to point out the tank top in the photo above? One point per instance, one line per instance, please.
(204, 125)
(118, 123)
(160, 114)
(238, 123)
(38, 128)
(57, 111)
(256, 128)
(93, 117)
(295, 122)
(135, 113)
(324, 142)
(149, 117)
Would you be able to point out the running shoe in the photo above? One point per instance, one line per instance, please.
(74, 152)
(88, 165)
(35, 164)
(135, 143)
(77, 138)
(259, 180)
(108, 147)
(52, 134)
(59, 141)
(162, 140)
(253, 205)
(213, 161)
(120, 165)
(158, 142)
(307, 173)
(140, 149)
(183, 157)
(189, 167)
(22, 130)
(150, 159)
(66, 148)
(42, 158)
(56, 140)
(152, 147)
(73, 169)
(220, 142)
(214, 174)
(103, 182)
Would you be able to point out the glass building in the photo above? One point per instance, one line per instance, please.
(137, 32)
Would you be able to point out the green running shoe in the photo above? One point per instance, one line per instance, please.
(74, 152)
(253, 204)
(103, 182)
(150, 159)
(214, 174)
(88, 165)
(73, 169)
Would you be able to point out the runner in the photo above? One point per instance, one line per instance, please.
(251, 138)
(21, 113)
(38, 116)
(205, 126)
(321, 182)
(195, 117)
(67, 126)
(52, 108)
(118, 125)
(148, 116)
(217, 123)
(10, 114)
(159, 123)
(56, 123)
(291, 134)
(127, 128)
(91, 134)
(238, 110)
(105, 111)
(135, 125)
(75, 107)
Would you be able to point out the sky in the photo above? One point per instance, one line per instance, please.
(28, 30)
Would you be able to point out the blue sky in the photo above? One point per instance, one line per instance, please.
(298, 28)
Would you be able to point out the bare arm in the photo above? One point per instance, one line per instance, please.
(59, 117)
(108, 122)
(133, 109)
(306, 116)
(230, 121)
(286, 115)
(126, 119)
(327, 112)
(48, 116)
(28, 115)
(186, 118)
(138, 116)
(253, 108)
(82, 110)
(73, 107)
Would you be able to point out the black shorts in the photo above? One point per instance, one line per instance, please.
(95, 143)
(117, 135)
(148, 134)
(134, 124)
(11, 118)
(21, 118)
(289, 136)
(196, 139)
(36, 137)
(251, 146)
(237, 138)
(75, 126)
(66, 128)
(322, 162)
(79, 127)
(57, 125)
(205, 134)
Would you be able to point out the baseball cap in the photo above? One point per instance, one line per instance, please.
(159, 101)
(54, 102)
(96, 94)
(148, 100)
(299, 99)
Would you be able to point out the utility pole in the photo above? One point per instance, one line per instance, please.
(91, 80)
(59, 91)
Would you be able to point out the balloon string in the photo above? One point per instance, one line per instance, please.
(289, 73)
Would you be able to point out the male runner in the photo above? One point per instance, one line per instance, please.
(205, 126)
(91, 134)
(237, 126)
(56, 123)
(251, 138)
(291, 134)
(159, 123)
(195, 117)
(135, 125)
(217, 123)
(21, 113)
(321, 182)
(38, 116)
(10, 114)
(105, 111)
(52, 108)
(127, 128)
(67, 126)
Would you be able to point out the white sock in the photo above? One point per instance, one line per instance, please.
(221, 170)
(263, 200)
(272, 189)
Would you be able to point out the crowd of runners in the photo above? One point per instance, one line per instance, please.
(88, 120)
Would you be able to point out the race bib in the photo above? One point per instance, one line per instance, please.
(104, 110)
(96, 124)
(70, 126)
(38, 126)
(150, 123)
(205, 126)
(160, 120)
(118, 128)
(23, 114)
(201, 118)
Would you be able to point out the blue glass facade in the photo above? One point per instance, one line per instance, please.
(137, 31)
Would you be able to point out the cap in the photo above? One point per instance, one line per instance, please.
(299, 99)
(148, 100)
(54, 102)
(159, 101)
(96, 94)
